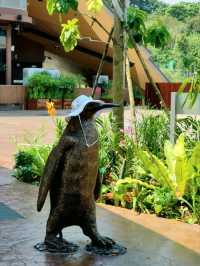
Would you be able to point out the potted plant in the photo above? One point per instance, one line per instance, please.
(42, 87)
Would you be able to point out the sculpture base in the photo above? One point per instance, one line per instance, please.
(114, 250)
(67, 248)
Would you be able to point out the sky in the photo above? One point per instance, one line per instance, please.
(176, 1)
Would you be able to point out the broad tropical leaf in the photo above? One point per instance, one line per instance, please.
(170, 158)
(179, 148)
(94, 5)
(194, 89)
(70, 35)
(195, 159)
(157, 168)
(183, 172)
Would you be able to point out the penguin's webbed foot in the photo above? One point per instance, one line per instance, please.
(103, 242)
(106, 246)
(57, 245)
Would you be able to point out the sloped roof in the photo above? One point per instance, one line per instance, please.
(46, 30)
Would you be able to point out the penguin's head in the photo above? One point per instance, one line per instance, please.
(92, 108)
(86, 107)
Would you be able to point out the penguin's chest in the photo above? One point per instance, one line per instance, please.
(81, 165)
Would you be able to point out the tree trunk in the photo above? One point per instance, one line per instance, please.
(118, 73)
(132, 101)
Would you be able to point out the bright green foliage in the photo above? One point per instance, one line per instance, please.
(163, 202)
(180, 58)
(44, 86)
(70, 35)
(60, 126)
(193, 25)
(30, 161)
(178, 169)
(188, 48)
(153, 131)
(61, 6)
(94, 5)
(136, 19)
(194, 89)
(132, 178)
(191, 128)
(127, 190)
(157, 168)
(148, 5)
(136, 24)
(158, 36)
(108, 146)
(182, 11)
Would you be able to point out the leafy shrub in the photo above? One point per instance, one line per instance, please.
(108, 146)
(152, 132)
(23, 167)
(191, 129)
(44, 86)
(30, 161)
(60, 126)
(178, 173)
(163, 202)
(166, 184)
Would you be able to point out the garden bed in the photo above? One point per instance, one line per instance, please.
(138, 178)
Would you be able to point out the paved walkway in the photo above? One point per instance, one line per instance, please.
(150, 240)
(16, 125)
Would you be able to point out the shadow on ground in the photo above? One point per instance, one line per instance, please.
(17, 237)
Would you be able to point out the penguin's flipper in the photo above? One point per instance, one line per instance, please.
(51, 167)
(97, 190)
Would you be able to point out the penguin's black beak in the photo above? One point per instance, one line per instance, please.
(94, 107)
(107, 105)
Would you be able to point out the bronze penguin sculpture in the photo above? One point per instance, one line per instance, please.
(71, 177)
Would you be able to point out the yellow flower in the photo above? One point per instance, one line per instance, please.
(50, 108)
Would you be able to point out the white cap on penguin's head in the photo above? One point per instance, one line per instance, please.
(86, 103)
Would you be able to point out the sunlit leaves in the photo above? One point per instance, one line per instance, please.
(136, 19)
(194, 89)
(136, 24)
(50, 6)
(61, 6)
(94, 5)
(70, 35)
(158, 36)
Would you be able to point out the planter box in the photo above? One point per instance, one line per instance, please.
(31, 104)
(40, 104)
(67, 104)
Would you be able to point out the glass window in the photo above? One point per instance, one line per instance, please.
(2, 56)
(15, 4)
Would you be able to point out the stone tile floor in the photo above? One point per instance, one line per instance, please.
(150, 240)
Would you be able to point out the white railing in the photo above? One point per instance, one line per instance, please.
(15, 4)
